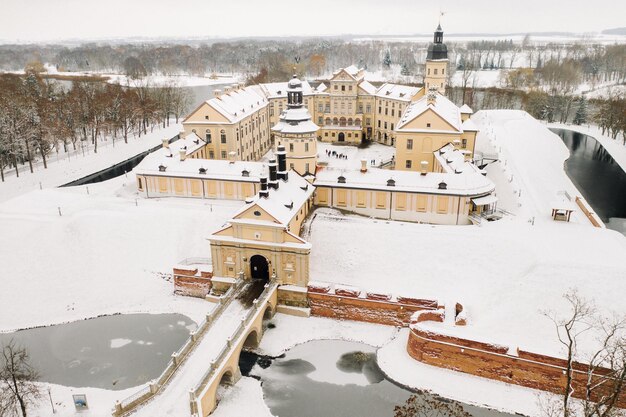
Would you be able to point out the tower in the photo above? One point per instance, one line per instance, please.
(436, 64)
(296, 132)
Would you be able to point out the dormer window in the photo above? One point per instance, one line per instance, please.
(341, 179)
(202, 171)
(391, 182)
(306, 187)
(245, 173)
(289, 206)
(162, 168)
(443, 185)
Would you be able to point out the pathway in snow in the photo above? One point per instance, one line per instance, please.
(174, 399)
(63, 169)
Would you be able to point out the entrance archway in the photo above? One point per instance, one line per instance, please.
(259, 268)
(342, 137)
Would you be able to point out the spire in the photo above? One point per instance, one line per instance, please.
(438, 35)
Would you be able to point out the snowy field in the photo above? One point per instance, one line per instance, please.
(104, 255)
(64, 168)
(505, 273)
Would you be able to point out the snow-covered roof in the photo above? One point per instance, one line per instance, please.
(465, 109)
(470, 126)
(320, 88)
(466, 184)
(443, 107)
(189, 143)
(354, 72)
(285, 202)
(453, 161)
(296, 120)
(367, 87)
(397, 91)
(240, 103)
(190, 168)
(279, 90)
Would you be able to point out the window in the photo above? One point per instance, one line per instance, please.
(385, 125)
(139, 184)
(223, 154)
(409, 144)
(291, 166)
(409, 163)
(386, 111)
(443, 71)
(392, 126)
(211, 155)
(335, 86)
(306, 147)
(368, 109)
(320, 120)
(291, 147)
(350, 87)
(206, 117)
(392, 112)
(435, 71)
(428, 71)
(464, 143)
(223, 136)
(208, 136)
(427, 124)
(343, 88)
(306, 167)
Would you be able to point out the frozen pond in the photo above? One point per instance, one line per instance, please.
(333, 378)
(111, 352)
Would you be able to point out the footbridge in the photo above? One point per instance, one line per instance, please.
(234, 324)
(224, 367)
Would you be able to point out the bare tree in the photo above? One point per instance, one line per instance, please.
(596, 378)
(17, 376)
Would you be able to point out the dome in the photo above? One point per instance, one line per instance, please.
(437, 51)
(294, 83)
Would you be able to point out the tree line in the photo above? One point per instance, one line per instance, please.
(40, 116)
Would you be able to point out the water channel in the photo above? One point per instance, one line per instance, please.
(597, 176)
(334, 378)
(111, 352)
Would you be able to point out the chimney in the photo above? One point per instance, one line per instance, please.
(431, 97)
(217, 93)
(264, 191)
(273, 178)
(166, 143)
(363, 165)
(282, 163)
(183, 154)
(231, 157)
(424, 165)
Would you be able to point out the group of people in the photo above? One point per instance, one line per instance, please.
(335, 154)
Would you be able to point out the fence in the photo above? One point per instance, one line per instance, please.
(130, 404)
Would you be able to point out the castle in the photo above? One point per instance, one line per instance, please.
(225, 138)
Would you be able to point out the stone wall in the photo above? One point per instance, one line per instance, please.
(496, 362)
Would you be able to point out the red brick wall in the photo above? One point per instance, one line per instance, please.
(360, 309)
(491, 361)
(192, 286)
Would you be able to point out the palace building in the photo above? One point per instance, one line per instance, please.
(346, 108)
(434, 180)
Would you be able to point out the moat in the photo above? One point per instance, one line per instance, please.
(597, 176)
(344, 374)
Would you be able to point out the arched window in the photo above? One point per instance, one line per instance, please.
(208, 136)
(223, 136)
(342, 121)
(335, 121)
(327, 121)
(350, 121)
(357, 122)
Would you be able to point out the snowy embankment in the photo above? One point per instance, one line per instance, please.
(530, 159)
(108, 253)
(504, 273)
(615, 147)
(64, 168)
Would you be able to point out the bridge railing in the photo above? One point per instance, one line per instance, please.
(214, 365)
(131, 403)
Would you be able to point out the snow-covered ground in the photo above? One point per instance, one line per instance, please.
(505, 272)
(64, 168)
(530, 159)
(106, 254)
(175, 80)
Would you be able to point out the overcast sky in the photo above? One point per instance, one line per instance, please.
(36, 20)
